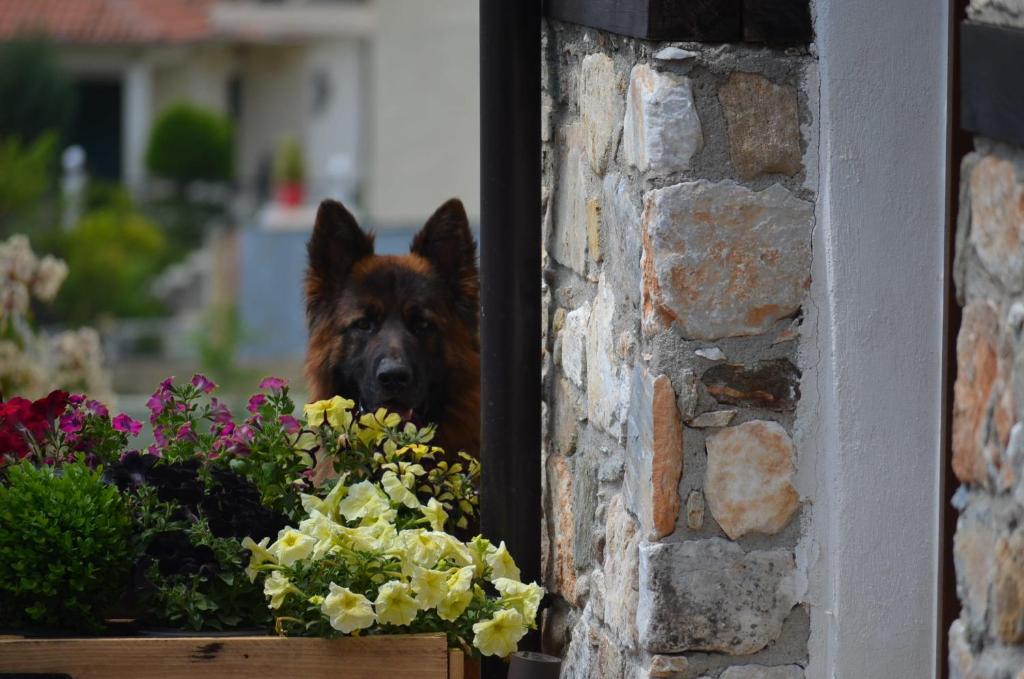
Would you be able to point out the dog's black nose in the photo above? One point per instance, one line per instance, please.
(393, 374)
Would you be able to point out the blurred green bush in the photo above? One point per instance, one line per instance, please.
(37, 95)
(113, 253)
(26, 175)
(190, 143)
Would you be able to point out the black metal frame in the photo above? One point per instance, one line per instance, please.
(510, 247)
(991, 95)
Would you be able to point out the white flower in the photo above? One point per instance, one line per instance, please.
(434, 511)
(454, 605)
(292, 546)
(523, 598)
(500, 635)
(347, 610)
(49, 277)
(277, 587)
(364, 499)
(395, 604)
(260, 556)
(430, 586)
(420, 547)
(398, 491)
(502, 564)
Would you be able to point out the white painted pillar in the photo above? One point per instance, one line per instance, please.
(876, 339)
(137, 115)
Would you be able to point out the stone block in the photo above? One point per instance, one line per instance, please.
(749, 478)
(668, 666)
(695, 510)
(764, 127)
(574, 344)
(560, 550)
(621, 572)
(575, 186)
(772, 384)
(594, 231)
(601, 107)
(584, 509)
(715, 418)
(620, 224)
(974, 546)
(708, 595)
(997, 219)
(977, 367)
(607, 387)
(721, 260)
(662, 130)
(762, 672)
(654, 454)
(566, 417)
(1008, 589)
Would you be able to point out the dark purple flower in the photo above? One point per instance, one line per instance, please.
(155, 451)
(203, 383)
(289, 424)
(273, 383)
(255, 401)
(126, 424)
(185, 432)
(76, 399)
(160, 435)
(71, 423)
(97, 409)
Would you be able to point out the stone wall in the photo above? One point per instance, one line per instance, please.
(987, 641)
(679, 210)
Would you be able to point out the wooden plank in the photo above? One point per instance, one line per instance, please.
(992, 99)
(704, 20)
(456, 667)
(777, 22)
(401, 657)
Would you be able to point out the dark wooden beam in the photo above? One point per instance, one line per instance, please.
(991, 91)
(698, 20)
(777, 22)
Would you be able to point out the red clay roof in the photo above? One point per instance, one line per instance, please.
(108, 21)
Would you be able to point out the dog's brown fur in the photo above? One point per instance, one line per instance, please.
(420, 311)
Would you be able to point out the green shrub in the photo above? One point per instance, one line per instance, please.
(64, 545)
(26, 173)
(113, 254)
(37, 95)
(191, 143)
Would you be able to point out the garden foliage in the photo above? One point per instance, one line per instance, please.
(189, 143)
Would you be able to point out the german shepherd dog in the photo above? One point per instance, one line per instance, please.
(399, 332)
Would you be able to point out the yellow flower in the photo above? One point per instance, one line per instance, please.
(398, 491)
(277, 587)
(453, 605)
(380, 420)
(523, 598)
(461, 579)
(347, 610)
(480, 548)
(501, 563)
(395, 605)
(420, 547)
(501, 634)
(336, 411)
(430, 586)
(260, 556)
(434, 511)
(363, 500)
(292, 546)
(323, 529)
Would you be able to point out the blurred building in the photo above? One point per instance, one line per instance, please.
(381, 94)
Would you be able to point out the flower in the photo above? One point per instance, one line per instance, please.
(398, 492)
(395, 604)
(336, 412)
(430, 586)
(126, 424)
(255, 402)
(501, 634)
(49, 277)
(203, 383)
(97, 408)
(523, 598)
(273, 383)
(454, 605)
(435, 514)
(461, 580)
(347, 610)
(292, 546)
(289, 424)
(71, 423)
(364, 499)
(277, 587)
(501, 563)
(420, 547)
(260, 556)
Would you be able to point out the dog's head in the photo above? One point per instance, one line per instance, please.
(382, 328)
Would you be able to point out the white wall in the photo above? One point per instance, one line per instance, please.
(425, 115)
(873, 372)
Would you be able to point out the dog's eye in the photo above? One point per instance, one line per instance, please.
(364, 324)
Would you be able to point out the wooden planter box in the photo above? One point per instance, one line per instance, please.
(394, 657)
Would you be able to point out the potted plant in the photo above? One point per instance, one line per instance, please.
(341, 532)
(290, 172)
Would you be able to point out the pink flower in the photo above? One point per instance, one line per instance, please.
(154, 451)
(255, 401)
(219, 412)
(76, 399)
(97, 409)
(273, 383)
(185, 432)
(203, 383)
(289, 424)
(123, 423)
(71, 423)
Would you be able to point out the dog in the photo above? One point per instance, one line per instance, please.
(398, 332)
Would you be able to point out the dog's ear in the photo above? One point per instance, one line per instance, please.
(447, 243)
(336, 245)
